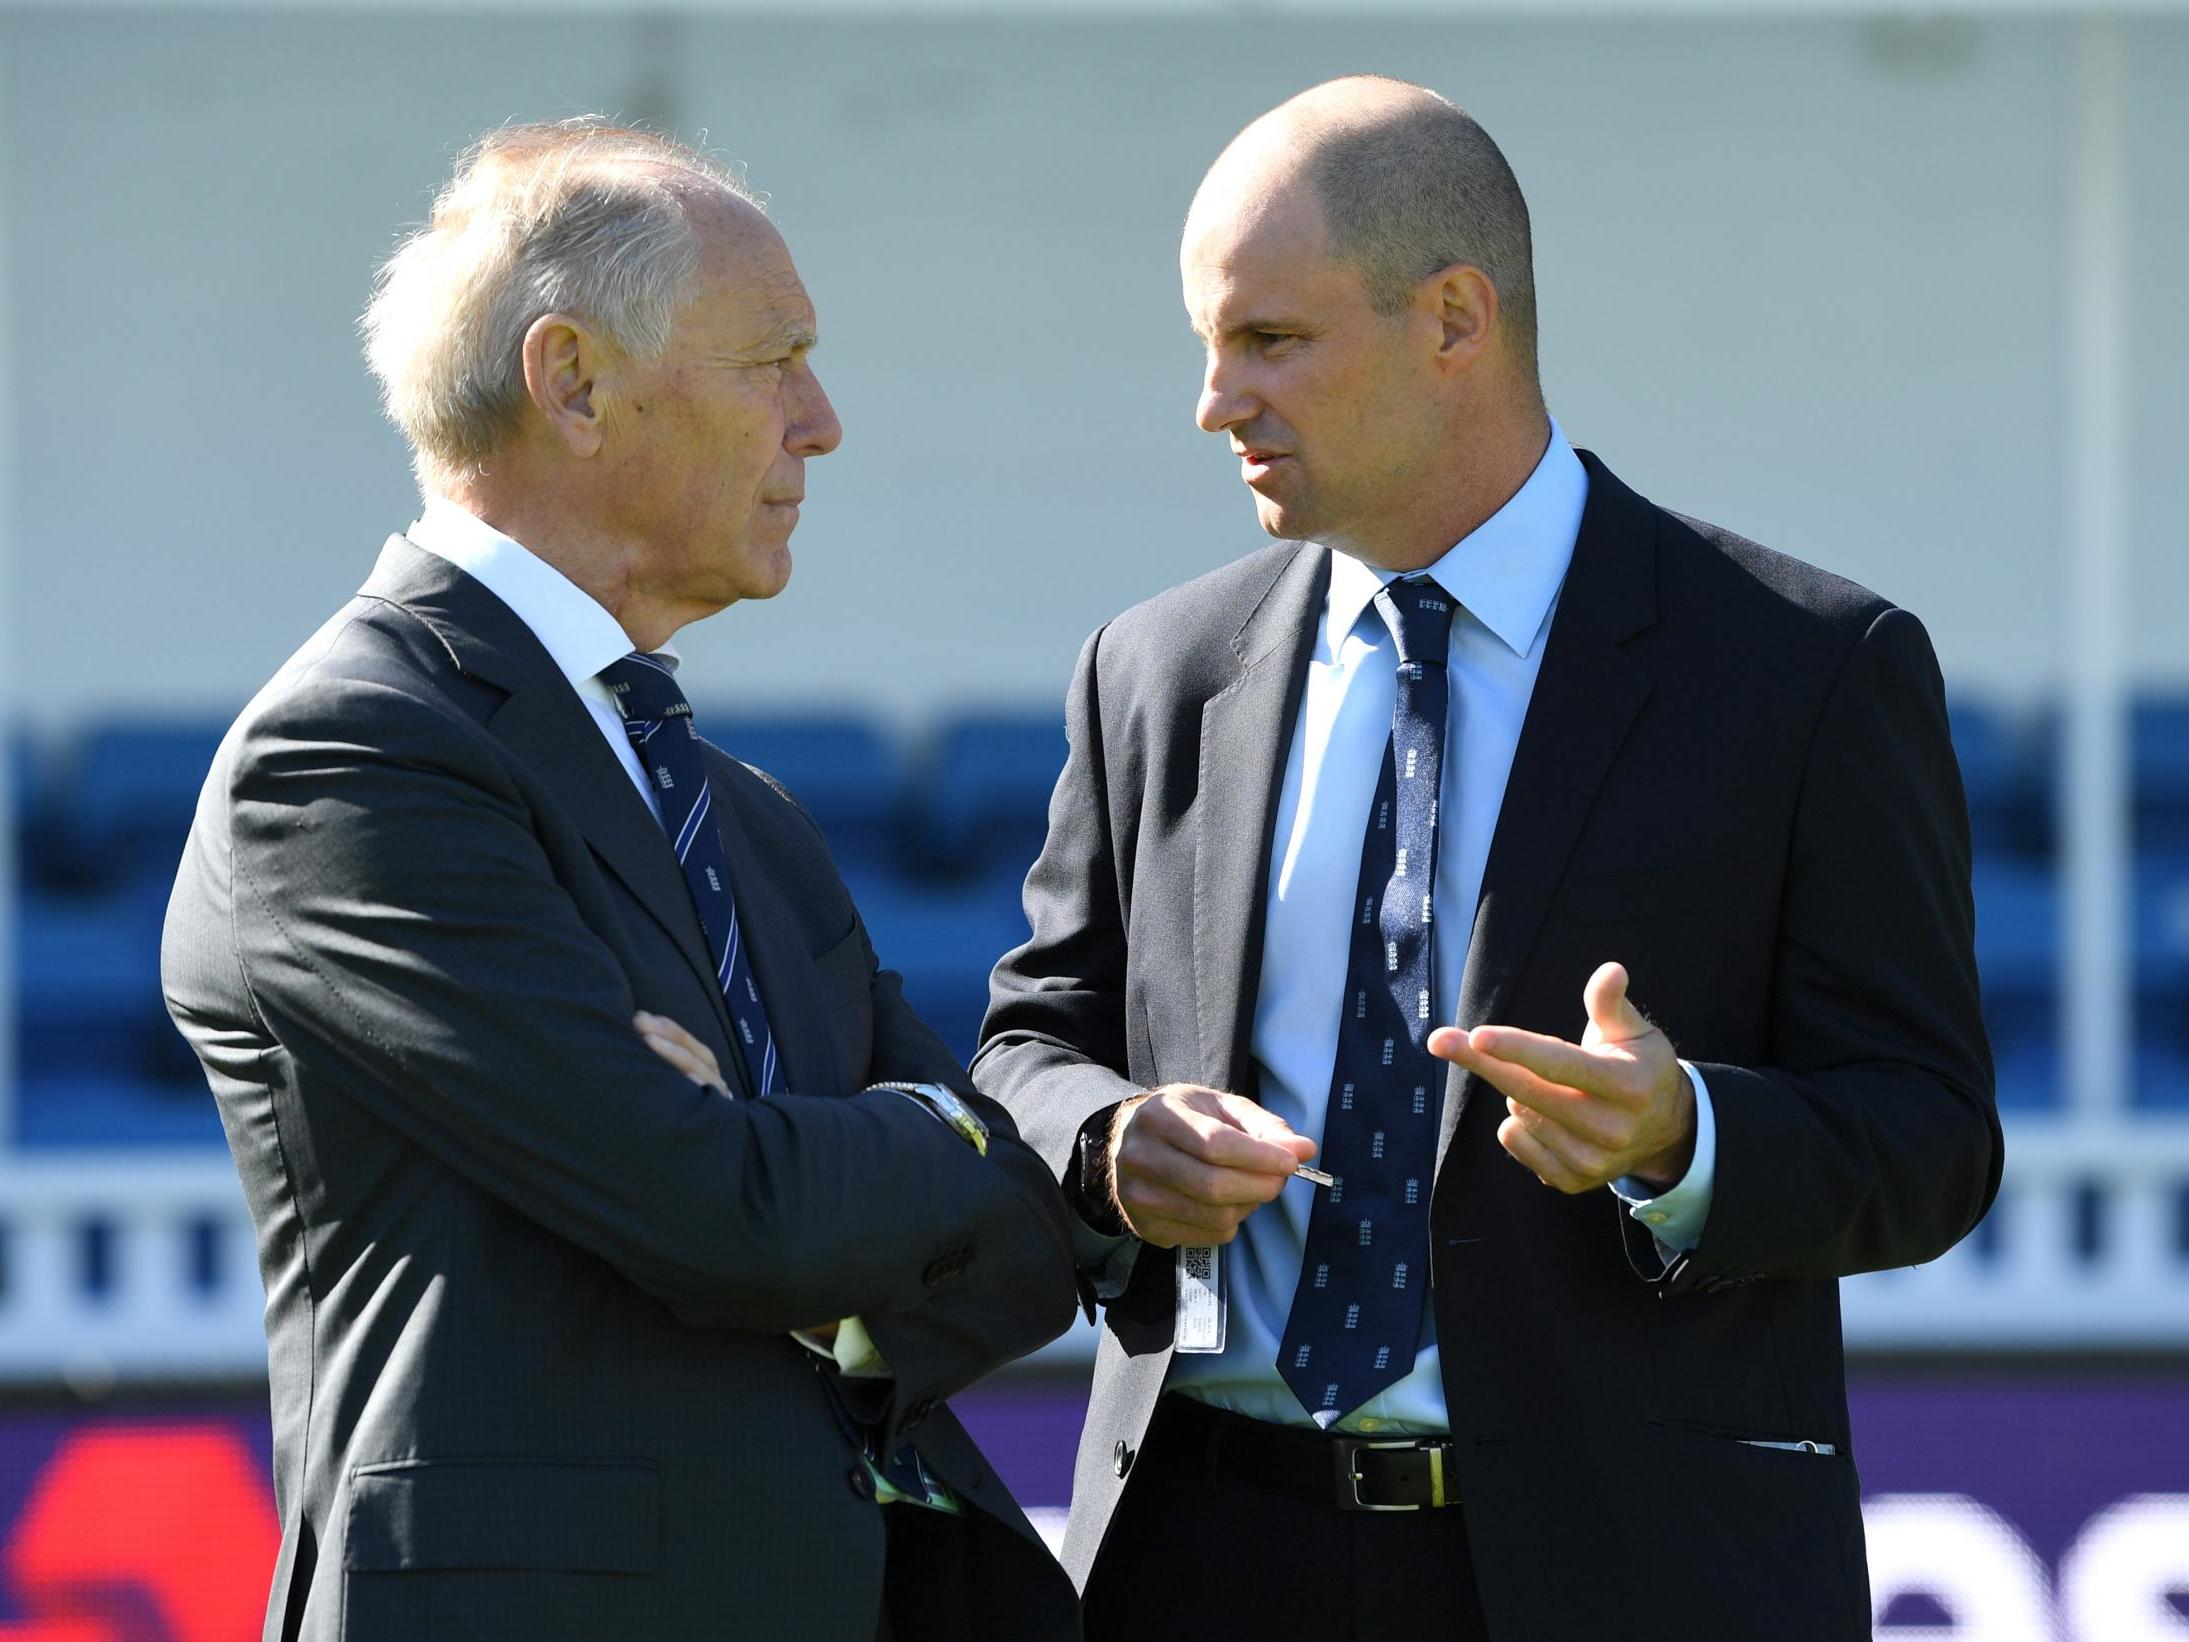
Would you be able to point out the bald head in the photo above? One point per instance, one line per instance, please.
(1406, 184)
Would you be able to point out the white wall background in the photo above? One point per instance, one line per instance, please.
(1802, 277)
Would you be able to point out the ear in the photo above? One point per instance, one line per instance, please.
(1466, 307)
(562, 361)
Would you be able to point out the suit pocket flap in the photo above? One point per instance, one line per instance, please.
(598, 1516)
(1630, 897)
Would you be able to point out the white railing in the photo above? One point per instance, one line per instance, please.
(181, 1297)
(2084, 1251)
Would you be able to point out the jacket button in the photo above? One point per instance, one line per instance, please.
(861, 1480)
(1121, 1458)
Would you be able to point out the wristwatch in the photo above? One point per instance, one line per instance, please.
(949, 1108)
(1087, 1186)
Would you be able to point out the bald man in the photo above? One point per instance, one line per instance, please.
(1583, 888)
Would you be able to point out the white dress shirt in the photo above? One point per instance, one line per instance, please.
(582, 638)
(573, 627)
(1504, 578)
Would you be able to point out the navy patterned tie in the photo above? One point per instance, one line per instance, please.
(659, 722)
(1356, 1316)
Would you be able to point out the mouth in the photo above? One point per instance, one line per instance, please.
(1257, 464)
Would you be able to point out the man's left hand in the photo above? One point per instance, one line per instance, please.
(1582, 1115)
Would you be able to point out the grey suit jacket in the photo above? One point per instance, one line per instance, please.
(529, 1291)
(1734, 777)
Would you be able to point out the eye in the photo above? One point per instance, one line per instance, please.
(1269, 341)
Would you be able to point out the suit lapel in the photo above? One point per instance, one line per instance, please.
(1246, 730)
(1586, 697)
(543, 723)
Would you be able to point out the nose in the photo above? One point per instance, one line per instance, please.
(812, 428)
(1223, 403)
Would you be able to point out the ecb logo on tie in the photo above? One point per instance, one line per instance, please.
(1353, 1316)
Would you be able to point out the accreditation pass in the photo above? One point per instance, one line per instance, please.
(1201, 1310)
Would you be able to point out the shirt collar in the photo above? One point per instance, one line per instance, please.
(1505, 572)
(573, 627)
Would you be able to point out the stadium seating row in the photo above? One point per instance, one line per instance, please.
(936, 864)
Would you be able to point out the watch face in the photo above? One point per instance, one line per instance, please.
(962, 1119)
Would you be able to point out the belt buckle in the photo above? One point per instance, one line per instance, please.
(1351, 1447)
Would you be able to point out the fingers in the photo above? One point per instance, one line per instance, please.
(1554, 1157)
(1223, 1130)
(680, 1049)
(1167, 1219)
(1191, 1163)
(1610, 1010)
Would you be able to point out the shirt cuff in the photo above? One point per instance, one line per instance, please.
(855, 1354)
(1675, 1216)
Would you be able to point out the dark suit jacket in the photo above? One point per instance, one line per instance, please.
(1735, 778)
(528, 1289)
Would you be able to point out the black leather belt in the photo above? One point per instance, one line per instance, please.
(1327, 1468)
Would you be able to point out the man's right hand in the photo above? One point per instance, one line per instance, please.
(1190, 1163)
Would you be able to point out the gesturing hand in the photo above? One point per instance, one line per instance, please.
(1190, 1163)
(680, 1049)
(1583, 1115)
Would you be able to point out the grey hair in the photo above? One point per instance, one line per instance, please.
(1420, 187)
(575, 216)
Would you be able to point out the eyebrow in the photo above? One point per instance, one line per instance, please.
(1252, 324)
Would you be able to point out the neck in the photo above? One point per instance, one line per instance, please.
(1492, 459)
(547, 525)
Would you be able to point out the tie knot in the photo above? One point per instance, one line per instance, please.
(645, 687)
(1419, 614)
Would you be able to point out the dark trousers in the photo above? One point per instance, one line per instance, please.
(1192, 1555)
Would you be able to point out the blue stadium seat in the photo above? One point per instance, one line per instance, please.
(87, 980)
(124, 798)
(2032, 1079)
(2017, 950)
(26, 804)
(2158, 741)
(2161, 921)
(943, 940)
(987, 790)
(840, 767)
(1996, 771)
(94, 1109)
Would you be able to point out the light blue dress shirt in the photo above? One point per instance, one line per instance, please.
(1505, 578)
